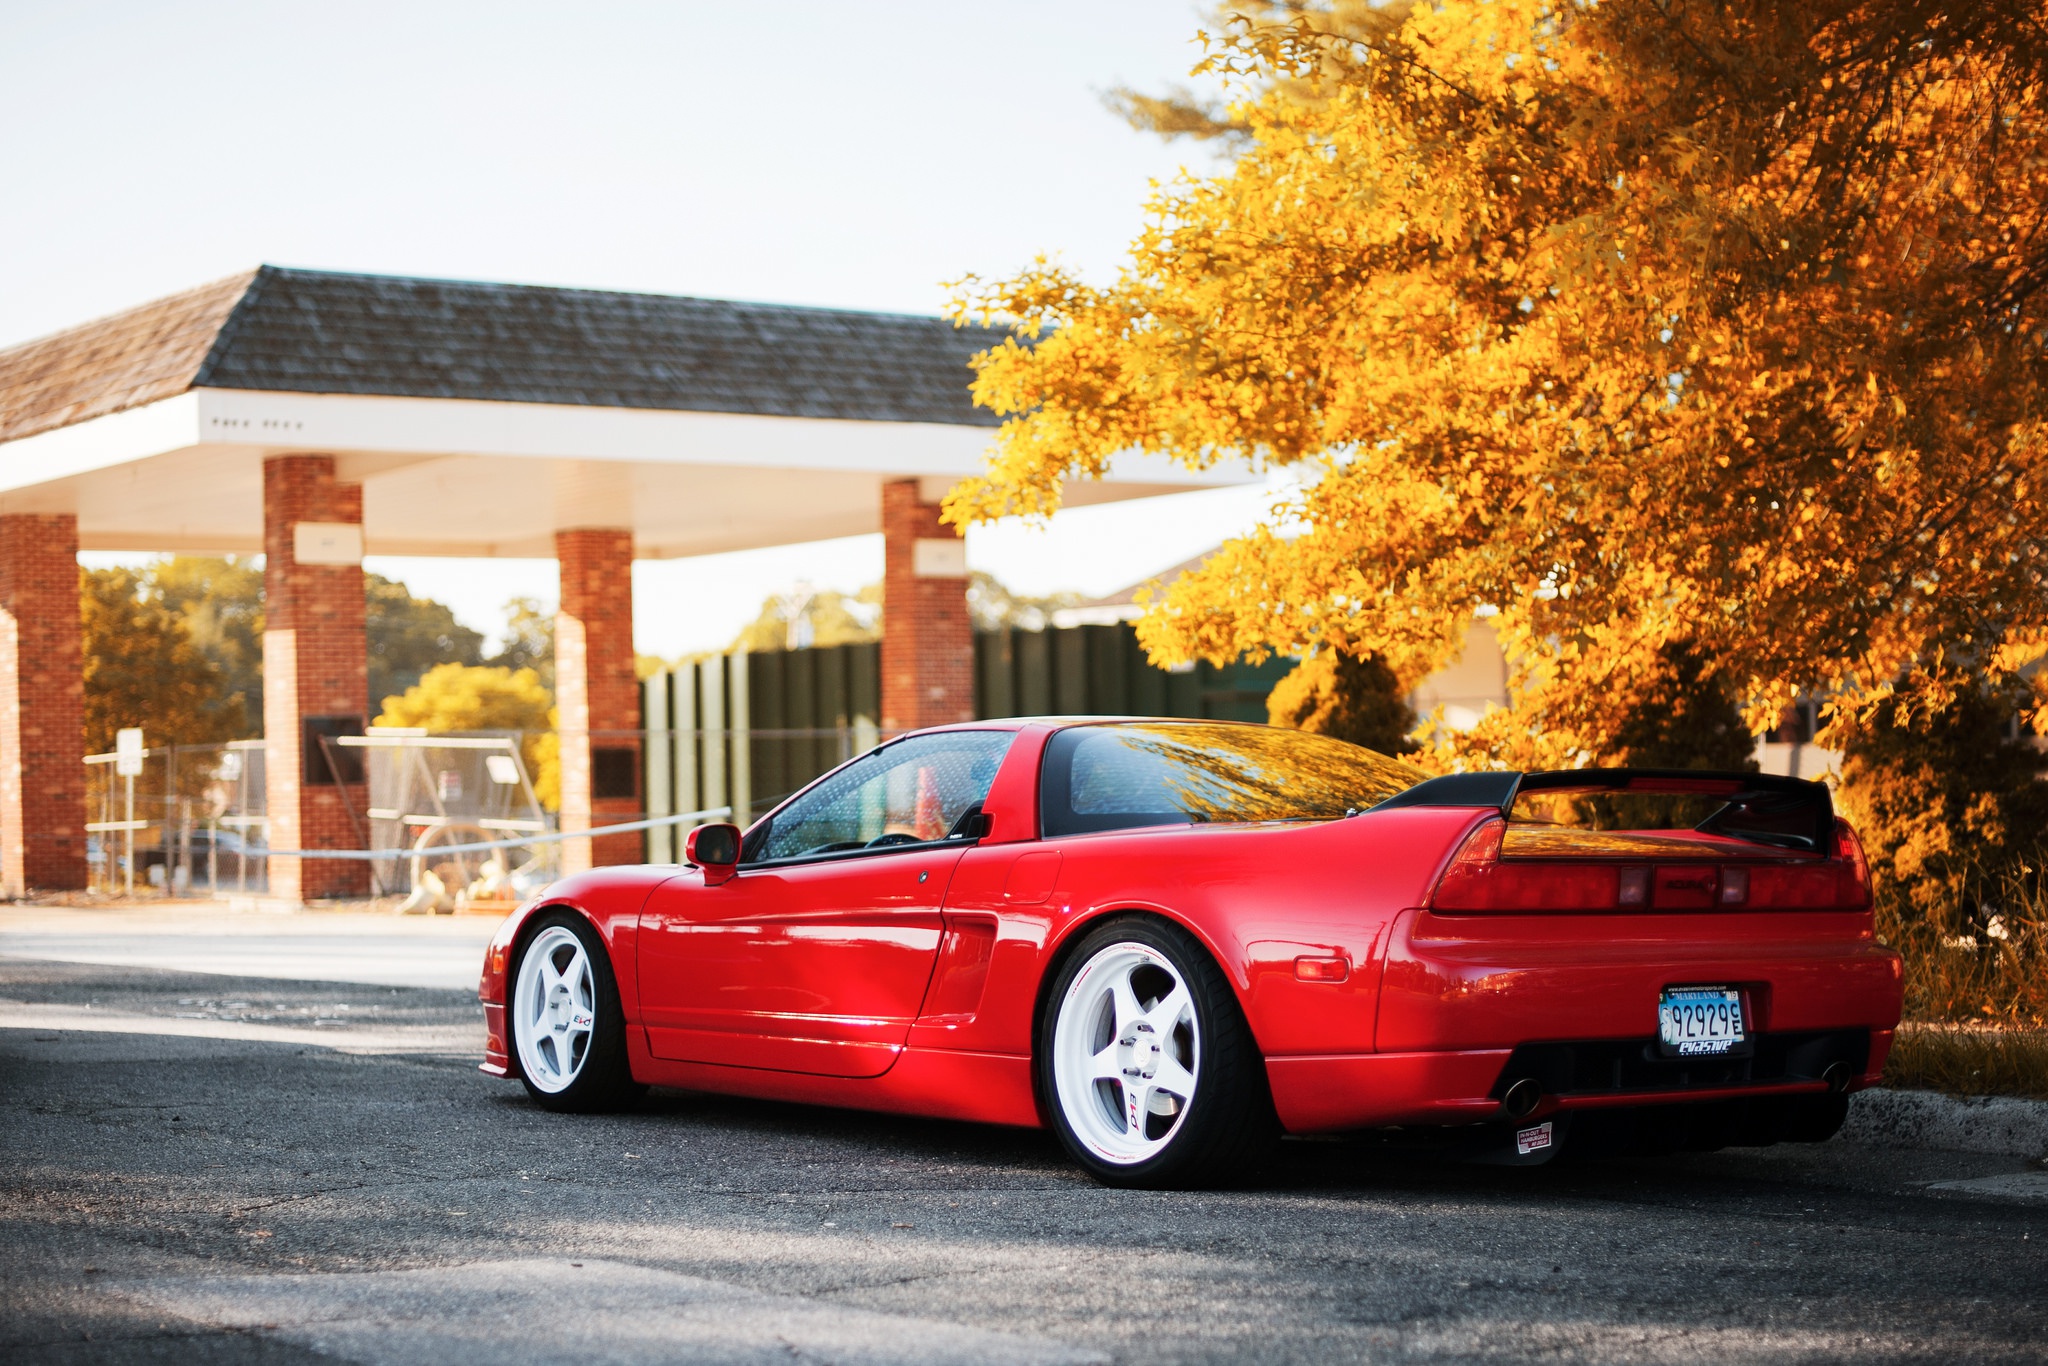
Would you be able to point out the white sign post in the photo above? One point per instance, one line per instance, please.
(128, 752)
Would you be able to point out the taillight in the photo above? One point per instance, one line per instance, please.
(1479, 879)
(1855, 868)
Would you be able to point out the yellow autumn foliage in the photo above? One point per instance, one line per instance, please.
(1680, 327)
(457, 698)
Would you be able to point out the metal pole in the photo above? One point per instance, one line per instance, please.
(128, 836)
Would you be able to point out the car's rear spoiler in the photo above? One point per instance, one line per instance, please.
(1762, 808)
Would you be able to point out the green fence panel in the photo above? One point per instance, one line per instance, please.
(806, 711)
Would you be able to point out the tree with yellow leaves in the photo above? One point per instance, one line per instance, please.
(455, 698)
(143, 669)
(1666, 329)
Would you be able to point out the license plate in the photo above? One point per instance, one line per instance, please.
(1701, 1022)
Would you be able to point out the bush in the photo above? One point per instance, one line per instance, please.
(1345, 697)
(1682, 717)
(1954, 818)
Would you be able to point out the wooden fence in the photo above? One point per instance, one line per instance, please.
(749, 729)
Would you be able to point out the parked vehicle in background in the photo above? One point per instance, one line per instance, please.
(206, 860)
(1172, 940)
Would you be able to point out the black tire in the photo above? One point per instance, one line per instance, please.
(604, 1080)
(1229, 1126)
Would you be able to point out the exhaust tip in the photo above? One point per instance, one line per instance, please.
(1522, 1098)
(1838, 1075)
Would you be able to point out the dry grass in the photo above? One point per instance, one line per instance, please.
(1976, 982)
(1970, 1060)
(1975, 953)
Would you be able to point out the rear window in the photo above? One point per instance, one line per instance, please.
(1123, 777)
(1576, 809)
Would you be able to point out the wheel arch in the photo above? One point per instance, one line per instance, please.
(515, 954)
(530, 924)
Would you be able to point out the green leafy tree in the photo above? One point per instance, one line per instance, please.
(803, 617)
(409, 635)
(143, 669)
(992, 606)
(529, 640)
(221, 602)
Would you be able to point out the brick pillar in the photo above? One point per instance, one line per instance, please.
(42, 706)
(315, 665)
(927, 639)
(597, 694)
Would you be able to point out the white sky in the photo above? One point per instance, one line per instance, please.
(802, 152)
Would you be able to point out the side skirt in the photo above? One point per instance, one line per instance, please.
(980, 1088)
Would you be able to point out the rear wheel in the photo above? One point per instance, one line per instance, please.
(1146, 1061)
(567, 1027)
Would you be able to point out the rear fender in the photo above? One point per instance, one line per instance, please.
(1296, 916)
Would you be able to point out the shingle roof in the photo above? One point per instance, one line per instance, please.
(316, 332)
(125, 361)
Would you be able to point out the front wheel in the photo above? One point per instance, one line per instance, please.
(567, 1025)
(1147, 1064)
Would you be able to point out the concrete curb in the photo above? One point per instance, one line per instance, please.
(2005, 1125)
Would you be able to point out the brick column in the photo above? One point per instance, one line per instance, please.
(927, 639)
(315, 675)
(597, 694)
(42, 706)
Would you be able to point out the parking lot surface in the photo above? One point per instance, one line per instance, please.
(210, 1167)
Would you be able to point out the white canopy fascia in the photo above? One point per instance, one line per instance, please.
(464, 477)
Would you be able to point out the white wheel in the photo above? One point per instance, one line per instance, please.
(1127, 1053)
(554, 1003)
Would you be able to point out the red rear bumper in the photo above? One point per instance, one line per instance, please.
(1573, 1001)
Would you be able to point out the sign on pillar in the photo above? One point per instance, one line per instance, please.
(128, 755)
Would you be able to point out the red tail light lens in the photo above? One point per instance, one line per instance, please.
(1479, 879)
(1855, 889)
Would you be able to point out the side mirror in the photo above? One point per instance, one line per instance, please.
(715, 849)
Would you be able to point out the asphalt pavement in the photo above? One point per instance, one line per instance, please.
(215, 1167)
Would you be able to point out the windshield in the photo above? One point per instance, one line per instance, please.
(1121, 777)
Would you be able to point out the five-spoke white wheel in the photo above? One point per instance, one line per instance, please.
(1126, 1052)
(557, 1003)
(567, 1030)
(1151, 1072)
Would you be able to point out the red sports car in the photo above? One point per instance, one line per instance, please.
(1170, 940)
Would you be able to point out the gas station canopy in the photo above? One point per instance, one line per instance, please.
(480, 419)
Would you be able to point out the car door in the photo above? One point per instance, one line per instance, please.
(815, 957)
